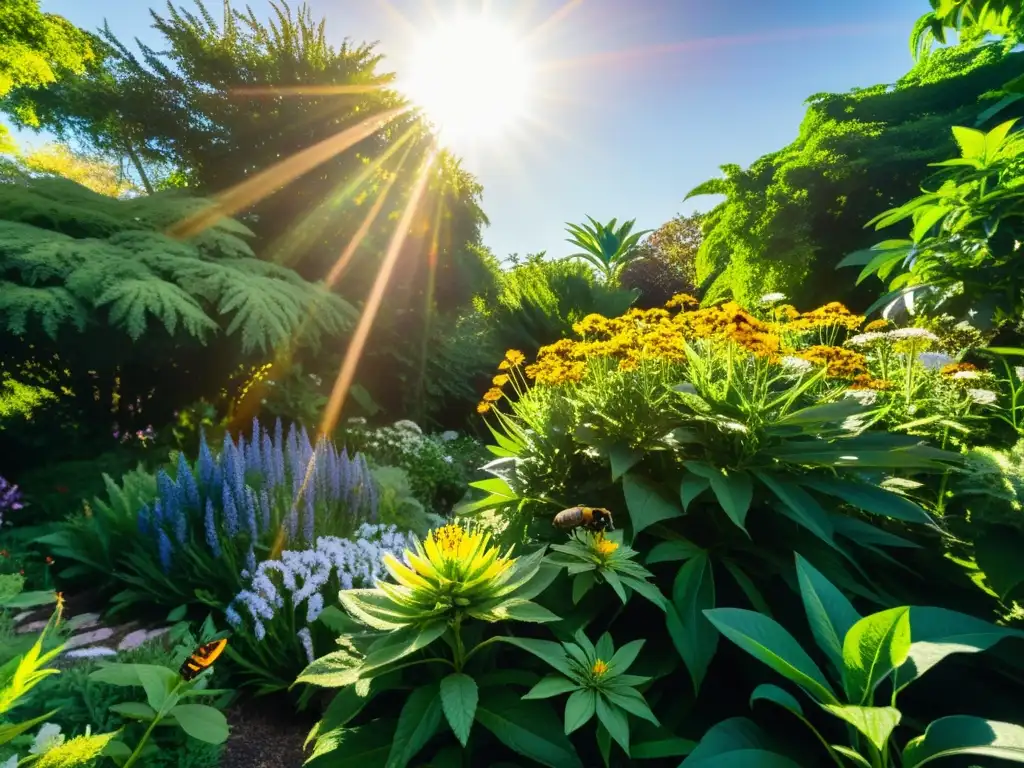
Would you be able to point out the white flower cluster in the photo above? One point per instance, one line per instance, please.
(900, 334)
(304, 575)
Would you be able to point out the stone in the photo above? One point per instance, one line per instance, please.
(88, 638)
(32, 626)
(157, 633)
(91, 652)
(133, 640)
(20, 617)
(85, 620)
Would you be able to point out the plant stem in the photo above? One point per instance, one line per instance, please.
(172, 696)
(460, 650)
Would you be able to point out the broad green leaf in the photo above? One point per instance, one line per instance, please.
(872, 649)
(623, 658)
(366, 746)
(459, 698)
(854, 757)
(646, 505)
(800, 506)
(829, 613)
(668, 551)
(734, 491)
(404, 643)
(622, 459)
(645, 589)
(877, 723)
(692, 634)
(530, 728)
(615, 721)
(157, 682)
(870, 498)
(670, 746)
(417, 723)
(136, 710)
(970, 141)
(579, 709)
(128, 674)
(747, 585)
(768, 642)
(731, 735)
(547, 651)
(691, 487)
(202, 722)
(632, 701)
(582, 584)
(742, 758)
(552, 685)
(998, 554)
(525, 610)
(937, 632)
(333, 670)
(965, 735)
(779, 696)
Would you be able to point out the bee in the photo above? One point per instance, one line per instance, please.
(202, 658)
(595, 519)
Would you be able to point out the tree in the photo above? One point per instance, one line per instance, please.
(35, 49)
(795, 213)
(665, 262)
(62, 161)
(132, 324)
(972, 20)
(607, 248)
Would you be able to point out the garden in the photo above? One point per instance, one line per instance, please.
(316, 479)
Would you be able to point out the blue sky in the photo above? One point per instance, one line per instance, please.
(706, 83)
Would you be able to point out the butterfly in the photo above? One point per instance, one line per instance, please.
(202, 658)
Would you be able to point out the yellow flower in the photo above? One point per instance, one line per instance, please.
(500, 380)
(504, 365)
(483, 407)
(840, 363)
(876, 325)
(599, 669)
(515, 357)
(604, 547)
(681, 300)
(492, 395)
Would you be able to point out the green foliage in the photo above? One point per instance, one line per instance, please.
(971, 19)
(539, 301)
(790, 217)
(398, 506)
(666, 262)
(895, 646)
(606, 248)
(963, 237)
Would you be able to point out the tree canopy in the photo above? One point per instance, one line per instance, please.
(790, 217)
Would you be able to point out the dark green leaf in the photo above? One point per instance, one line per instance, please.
(829, 613)
(417, 723)
(691, 487)
(623, 458)
(692, 634)
(202, 722)
(646, 505)
(615, 721)
(869, 498)
(667, 551)
(530, 728)
(734, 490)
(552, 685)
(579, 708)
(459, 698)
(965, 735)
(779, 696)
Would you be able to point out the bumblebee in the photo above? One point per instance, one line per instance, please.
(202, 658)
(595, 519)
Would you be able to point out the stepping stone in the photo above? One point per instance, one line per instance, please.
(133, 640)
(32, 626)
(91, 652)
(85, 620)
(20, 617)
(157, 633)
(96, 636)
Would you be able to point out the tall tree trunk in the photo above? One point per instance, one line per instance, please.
(138, 167)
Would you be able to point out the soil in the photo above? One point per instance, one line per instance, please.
(265, 733)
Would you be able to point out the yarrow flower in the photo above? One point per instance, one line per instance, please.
(772, 298)
(982, 396)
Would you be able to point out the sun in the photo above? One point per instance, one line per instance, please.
(472, 77)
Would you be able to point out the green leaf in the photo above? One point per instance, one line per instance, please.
(937, 632)
(872, 649)
(417, 723)
(632, 701)
(547, 651)
(135, 710)
(157, 682)
(779, 696)
(743, 758)
(366, 746)
(623, 458)
(525, 610)
(127, 675)
(829, 613)
(579, 709)
(530, 728)
(582, 584)
(970, 141)
(734, 491)
(965, 735)
(855, 757)
(337, 669)
(552, 685)
(668, 551)
(800, 506)
(459, 696)
(403, 643)
(670, 746)
(202, 722)
(877, 723)
(646, 505)
(623, 658)
(870, 498)
(769, 643)
(997, 552)
(614, 720)
(736, 734)
(691, 487)
(747, 585)
(692, 634)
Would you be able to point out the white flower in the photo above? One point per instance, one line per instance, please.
(866, 339)
(966, 375)
(862, 396)
(448, 436)
(448, 459)
(307, 643)
(1019, 370)
(982, 396)
(47, 737)
(934, 361)
(796, 364)
(408, 426)
(772, 298)
(912, 333)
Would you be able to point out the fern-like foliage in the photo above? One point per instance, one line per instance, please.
(72, 258)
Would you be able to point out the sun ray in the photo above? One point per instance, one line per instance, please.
(555, 18)
(272, 179)
(373, 301)
(305, 90)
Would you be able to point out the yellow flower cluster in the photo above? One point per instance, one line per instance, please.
(832, 314)
(658, 334)
(513, 359)
(954, 368)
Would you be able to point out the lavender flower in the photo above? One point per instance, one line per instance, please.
(307, 643)
(250, 513)
(211, 530)
(144, 521)
(10, 497)
(265, 509)
(206, 466)
(164, 545)
(230, 512)
(187, 483)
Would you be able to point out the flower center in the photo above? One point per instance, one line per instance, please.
(604, 547)
(599, 669)
(448, 539)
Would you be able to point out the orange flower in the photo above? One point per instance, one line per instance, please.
(515, 357)
(867, 381)
(952, 368)
(840, 363)
(483, 407)
(500, 380)
(681, 300)
(876, 325)
(492, 395)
